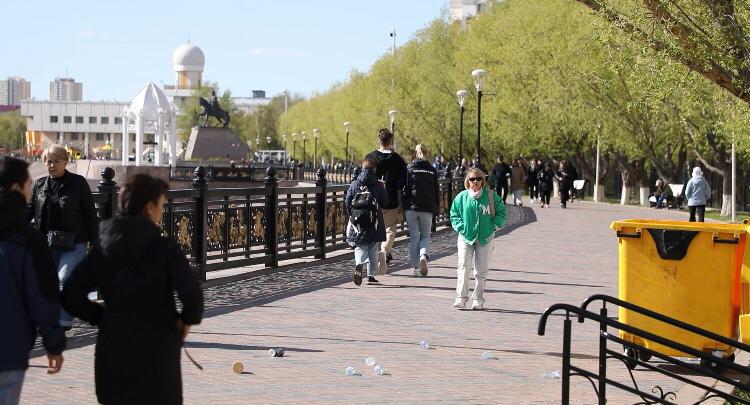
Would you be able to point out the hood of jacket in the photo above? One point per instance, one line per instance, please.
(421, 164)
(125, 240)
(367, 177)
(12, 210)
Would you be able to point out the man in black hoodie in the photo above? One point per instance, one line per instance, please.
(501, 173)
(391, 169)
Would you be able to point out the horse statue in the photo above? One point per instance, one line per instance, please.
(212, 109)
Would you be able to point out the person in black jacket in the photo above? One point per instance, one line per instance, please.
(391, 168)
(546, 178)
(28, 286)
(565, 177)
(501, 173)
(531, 179)
(137, 272)
(421, 200)
(62, 208)
(366, 241)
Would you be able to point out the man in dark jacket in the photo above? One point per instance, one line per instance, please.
(28, 286)
(391, 169)
(501, 172)
(366, 240)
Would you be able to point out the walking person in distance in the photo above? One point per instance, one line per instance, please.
(138, 271)
(421, 200)
(366, 228)
(476, 213)
(517, 181)
(697, 193)
(391, 169)
(29, 290)
(501, 173)
(62, 209)
(546, 184)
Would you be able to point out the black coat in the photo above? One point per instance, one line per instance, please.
(74, 202)
(422, 191)
(367, 178)
(391, 168)
(546, 180)
(138, 347)
(501, 174)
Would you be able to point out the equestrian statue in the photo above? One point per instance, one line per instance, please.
(212, 109)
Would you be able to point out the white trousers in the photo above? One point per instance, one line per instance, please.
(474, 257)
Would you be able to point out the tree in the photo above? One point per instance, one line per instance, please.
(12, 130)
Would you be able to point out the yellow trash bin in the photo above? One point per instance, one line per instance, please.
(690, 271)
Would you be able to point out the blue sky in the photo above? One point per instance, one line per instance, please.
(114, 48)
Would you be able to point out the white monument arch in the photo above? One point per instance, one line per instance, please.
(150, 112)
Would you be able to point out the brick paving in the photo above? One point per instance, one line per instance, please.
(325, 323)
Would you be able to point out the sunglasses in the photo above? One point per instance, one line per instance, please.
(475, 179)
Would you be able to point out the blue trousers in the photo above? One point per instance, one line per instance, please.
(11, 382)
(367, 253)
(66, 262)
(420, 226)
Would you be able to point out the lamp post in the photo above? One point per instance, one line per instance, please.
(283, 139)
(461, 95)
(347, 125)
(479, 75)
(316, 134)
(294, 146)
(392, 116)
(304, 147)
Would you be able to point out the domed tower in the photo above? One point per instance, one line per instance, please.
(187, 62)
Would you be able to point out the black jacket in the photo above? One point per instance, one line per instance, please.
(29, 288)
(138, 346)
(391, 168)
(545, 178)
(422, 191)
(501, 173)
(74, 203)
(367, 178)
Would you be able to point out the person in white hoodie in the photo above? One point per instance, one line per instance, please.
(697, 193)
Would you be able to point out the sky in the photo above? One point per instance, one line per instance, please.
(115, 48)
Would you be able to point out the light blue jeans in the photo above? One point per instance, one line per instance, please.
(10, 386)
(420, 226)
(367, 253)
(66, 264)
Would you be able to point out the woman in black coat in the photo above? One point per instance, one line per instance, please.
(137, 272)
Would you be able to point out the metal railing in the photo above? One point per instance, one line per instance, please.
(223, 228)
(635, 355)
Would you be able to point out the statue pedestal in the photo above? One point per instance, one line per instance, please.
(215, 143)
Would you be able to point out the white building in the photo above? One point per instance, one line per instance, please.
(65, 89)
(187, 62)
(85, 127)
(14, 90)
(464, 10)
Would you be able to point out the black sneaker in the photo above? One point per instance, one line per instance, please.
(371, 280)
(388, 258)
(358, 275)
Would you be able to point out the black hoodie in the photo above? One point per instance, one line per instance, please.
(137, 272)
(392, 169)
(422, 191)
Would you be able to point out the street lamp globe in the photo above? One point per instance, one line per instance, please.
(316, 132)
(461, 95)
(392, 115)
(478, 75)
(347, 126)
(304, 135)
(294, 135)
(268, 139)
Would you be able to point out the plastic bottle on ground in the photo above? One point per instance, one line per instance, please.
(350, 371)
(378, 369)
(551, 374)
(487, 356)
(370, 361)
(424, 345)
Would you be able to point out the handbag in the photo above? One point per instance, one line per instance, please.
(61, 240)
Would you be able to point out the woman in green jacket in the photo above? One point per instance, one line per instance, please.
(475, 216)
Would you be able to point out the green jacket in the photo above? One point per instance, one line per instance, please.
(472, 219)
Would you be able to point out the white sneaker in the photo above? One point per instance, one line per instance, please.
(423, 265)
(416, 273)
(477, 305)
(382, 268)
(459, 303)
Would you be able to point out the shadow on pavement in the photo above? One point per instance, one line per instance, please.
(231, 346)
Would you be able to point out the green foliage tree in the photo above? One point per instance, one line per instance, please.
(12, 130)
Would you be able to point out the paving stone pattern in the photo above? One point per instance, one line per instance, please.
(326, 324)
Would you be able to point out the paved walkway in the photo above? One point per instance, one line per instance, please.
(325, 324)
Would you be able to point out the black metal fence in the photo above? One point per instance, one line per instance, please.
(635, 355)
(225, 228)
(234, 174)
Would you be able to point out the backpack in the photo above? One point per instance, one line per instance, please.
(364, 212)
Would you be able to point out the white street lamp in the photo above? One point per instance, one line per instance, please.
(479, 75)
(316, 134)
(347, 126)
(461, 95)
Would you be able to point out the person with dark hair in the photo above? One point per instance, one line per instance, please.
(366, 227)
(391, 169)
(546, 184)
(421, 200)
(62, 209)
(137, 271)
(565, 177)
(517, 178)
(531, 179)
(29, 289)
(501, 173)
